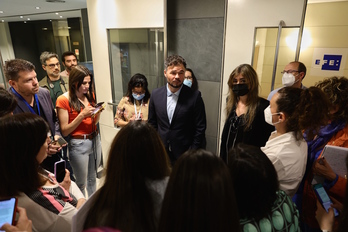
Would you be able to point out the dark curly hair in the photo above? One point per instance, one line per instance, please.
(174, 60)
(306, 109)
(336, 89)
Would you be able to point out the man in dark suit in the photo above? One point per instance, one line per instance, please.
(177, 112)
(22, 78)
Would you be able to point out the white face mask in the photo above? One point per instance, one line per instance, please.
(288, 79)
(268, 116)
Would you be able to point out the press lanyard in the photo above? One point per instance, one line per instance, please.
(22, 99)
(137, 115)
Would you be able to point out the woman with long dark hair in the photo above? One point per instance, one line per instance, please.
(135, 105)
(136, 177)
(199, 196)
(261, 205)
(75, 110)
(24, 142)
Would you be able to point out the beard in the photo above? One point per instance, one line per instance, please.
(175, 86)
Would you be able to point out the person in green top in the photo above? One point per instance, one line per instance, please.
(53, 81)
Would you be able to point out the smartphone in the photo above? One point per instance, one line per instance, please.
(60, 141)
(324, 198)
(8, 211)
(98, 107)
(59, 170)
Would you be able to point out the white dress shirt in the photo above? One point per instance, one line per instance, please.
(289, 158)
(172, 100)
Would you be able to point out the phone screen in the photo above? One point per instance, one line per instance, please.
(98, 107)
(59, 170)
(8, 211)
(61, 141)
(324, 198)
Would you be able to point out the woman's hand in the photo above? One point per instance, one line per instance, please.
(67, 181)
(322, 168)
(325, 219)
(23, 223)
(87, 111)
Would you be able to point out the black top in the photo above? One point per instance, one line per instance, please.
(233, 132)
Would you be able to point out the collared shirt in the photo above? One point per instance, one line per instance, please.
(289, 158)
(172, 100)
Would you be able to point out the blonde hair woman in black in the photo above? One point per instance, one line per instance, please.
(245, 121)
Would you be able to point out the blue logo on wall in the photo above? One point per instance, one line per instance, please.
(331, 62)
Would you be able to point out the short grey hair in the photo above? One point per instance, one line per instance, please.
(46, 56)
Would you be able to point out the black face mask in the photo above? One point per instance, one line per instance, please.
(240, 89)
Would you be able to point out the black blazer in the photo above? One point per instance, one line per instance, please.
(187, 130)
(257, 135)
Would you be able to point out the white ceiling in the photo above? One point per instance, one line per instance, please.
(13, 9)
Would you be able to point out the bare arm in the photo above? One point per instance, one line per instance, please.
(63, 117)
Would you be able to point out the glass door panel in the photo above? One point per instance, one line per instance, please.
(272, 54)
(135, 51)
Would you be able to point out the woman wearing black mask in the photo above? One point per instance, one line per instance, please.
(245, 111)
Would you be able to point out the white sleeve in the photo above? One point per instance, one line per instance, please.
(76, 191)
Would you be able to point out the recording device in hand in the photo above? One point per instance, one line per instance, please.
(324, 198)
(59, 170)
(98, 107)
(8, 211)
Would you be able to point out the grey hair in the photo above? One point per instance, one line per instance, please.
(46, 56)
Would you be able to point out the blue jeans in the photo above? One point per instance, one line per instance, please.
(85, 157)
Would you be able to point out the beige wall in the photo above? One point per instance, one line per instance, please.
(110, 14)
(242, 19)
(327, 24)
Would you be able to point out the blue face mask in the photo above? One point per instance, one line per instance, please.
(188, 82)
(138, 97)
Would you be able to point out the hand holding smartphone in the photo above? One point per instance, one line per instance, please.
(59, 170)
(324, 198)
(8, 211)
(60, 141)
(98, 107)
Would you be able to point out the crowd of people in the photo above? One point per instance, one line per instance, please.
(158, 176)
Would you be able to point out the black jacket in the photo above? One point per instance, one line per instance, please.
(257, 135)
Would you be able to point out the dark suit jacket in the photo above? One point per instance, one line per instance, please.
(187, 130)
(51, 118)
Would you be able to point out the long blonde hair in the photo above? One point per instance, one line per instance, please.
(252, 97)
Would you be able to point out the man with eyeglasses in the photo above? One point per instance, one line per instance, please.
(53, 81)
(57, 84)
(293, 74)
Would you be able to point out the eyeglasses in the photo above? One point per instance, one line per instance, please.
(53, 65)
(289, 71)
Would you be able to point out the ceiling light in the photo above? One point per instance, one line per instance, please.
(1, 12)
(28, 18)
(44, 29)
(25, 21)
(2, 20)
(50, 20)
(37, 7)
(57, 13)
(21, 17)
(61, 16)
